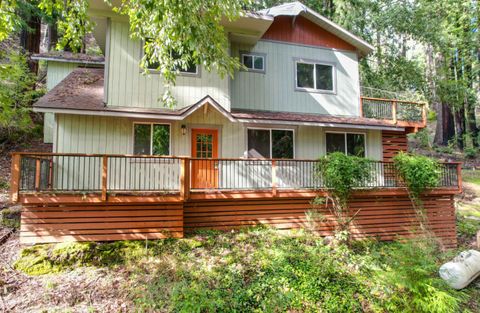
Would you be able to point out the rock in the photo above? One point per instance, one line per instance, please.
(462, 270)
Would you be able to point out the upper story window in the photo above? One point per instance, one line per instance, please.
(270, 143)
(189, 69)
(348, 143)
(151, 139)
(314, 76)
(254, 62)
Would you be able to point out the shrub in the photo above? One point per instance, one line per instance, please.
(340, 174)
(470, 152)
(10, 218)
(418, 172)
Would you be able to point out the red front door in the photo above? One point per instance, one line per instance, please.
(205, 149)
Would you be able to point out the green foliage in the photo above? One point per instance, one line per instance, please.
(17, 93)
(431, 116)
(412, 267)
(470, 152)
(467, 227)
(341, 173)
(423, 138)
(418, 172)
(72, 21)
(10, 218)
(263, 270)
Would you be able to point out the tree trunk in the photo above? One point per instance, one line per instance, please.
(459, 120)
(445, 129)
(30, 39)
(52, 36)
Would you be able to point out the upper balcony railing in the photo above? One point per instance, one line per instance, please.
(54, 173)
(399, 112)
(400, 108)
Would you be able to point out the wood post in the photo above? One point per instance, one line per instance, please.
(361, 107)
(424, 115)
(394, 111)
(185, 179)
(38, 167)
(459, 177)
(104, 177)
(274, 178)
(15, 178)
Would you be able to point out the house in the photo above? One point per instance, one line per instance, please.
(233, 152)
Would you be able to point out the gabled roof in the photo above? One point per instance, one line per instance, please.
(297, 9)
(81, 92)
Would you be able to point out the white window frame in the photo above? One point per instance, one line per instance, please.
(151, 136)
(271, 145)
(314, 62)
(254, 55)
(345, 138)
(180, 72)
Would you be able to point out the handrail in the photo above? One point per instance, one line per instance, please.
(183, 157)
(400, 112)
(388, 100)
(114, 173)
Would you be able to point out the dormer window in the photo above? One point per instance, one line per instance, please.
(254, 62)
(314, 76)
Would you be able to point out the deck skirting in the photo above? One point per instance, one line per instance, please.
(383, 215)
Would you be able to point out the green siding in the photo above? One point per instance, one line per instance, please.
(56, 72)
(94, 134)
(129, 87)
(275, 90)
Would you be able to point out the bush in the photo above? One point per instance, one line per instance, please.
(340, 174)
(418, 172)
(470, 152)
(10, 218)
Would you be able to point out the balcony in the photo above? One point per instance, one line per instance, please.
(401, 113)
(101, 176)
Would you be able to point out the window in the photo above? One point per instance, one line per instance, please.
(190, 68)
(270, 143)
(151, 139)
(313, 76)
(349, 143)
(254, 62)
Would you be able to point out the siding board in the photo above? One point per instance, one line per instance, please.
(274, 90)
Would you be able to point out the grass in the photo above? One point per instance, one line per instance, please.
(262, 270)
(471, 176)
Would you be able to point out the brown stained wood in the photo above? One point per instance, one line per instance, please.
(305, 32)
(384, 213)
(37, 173)
(104, 177)
(15, 178)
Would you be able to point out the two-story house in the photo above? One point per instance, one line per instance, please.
(233, 152)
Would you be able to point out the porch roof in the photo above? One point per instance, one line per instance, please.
(82, 93)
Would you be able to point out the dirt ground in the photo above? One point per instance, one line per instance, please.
(81, 290)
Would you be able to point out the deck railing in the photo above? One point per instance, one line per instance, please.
(112, 174)
(400, 112)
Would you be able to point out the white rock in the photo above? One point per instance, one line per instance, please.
(462, 270)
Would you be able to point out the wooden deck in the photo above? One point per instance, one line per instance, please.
(55, 212)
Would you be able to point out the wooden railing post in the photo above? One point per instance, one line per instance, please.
(38, 167)
(15, 178)
(104, 177)
(361, 107)
(394, 111)
(274, 178)
(424, 115)
(185, 179)
(459, 177)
